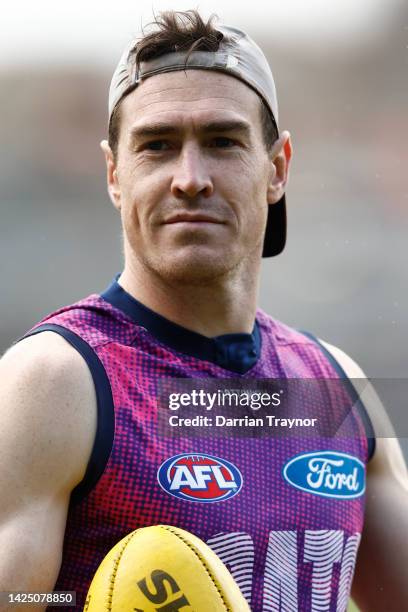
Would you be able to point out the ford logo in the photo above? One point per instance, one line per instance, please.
(327, 473)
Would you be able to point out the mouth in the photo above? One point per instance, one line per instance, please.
(191, 218)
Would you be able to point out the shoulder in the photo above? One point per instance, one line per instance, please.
(364, 388)
(388, 458)
(42, 351)
(350, 367)
(93, 321)
(46, 363)
(49, 406)
(300, 353)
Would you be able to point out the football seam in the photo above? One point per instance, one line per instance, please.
(115, 568)
(203, 561)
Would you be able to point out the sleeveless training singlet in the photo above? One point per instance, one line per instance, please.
(288, 534)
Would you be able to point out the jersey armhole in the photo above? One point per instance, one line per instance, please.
(368, 426)
(105, 426)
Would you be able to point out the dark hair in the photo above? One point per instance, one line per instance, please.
(183, 31)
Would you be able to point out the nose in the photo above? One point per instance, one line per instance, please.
(191, 176)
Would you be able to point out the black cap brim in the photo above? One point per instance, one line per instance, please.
(275, 232)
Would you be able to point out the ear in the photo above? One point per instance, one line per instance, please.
(111, 175)
(280, 157)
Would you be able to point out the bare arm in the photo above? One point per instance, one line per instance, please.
(381, 577)
(48, 422)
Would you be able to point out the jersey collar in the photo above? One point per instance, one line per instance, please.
(235, 352)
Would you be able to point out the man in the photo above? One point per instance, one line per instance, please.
(197, 170)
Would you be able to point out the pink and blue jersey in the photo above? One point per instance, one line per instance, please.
(285, 513)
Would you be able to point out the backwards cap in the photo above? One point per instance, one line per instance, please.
(239, 56)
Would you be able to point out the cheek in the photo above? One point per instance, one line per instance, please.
(131, 210)
(135, 195)
(256, 206)
(251, 187)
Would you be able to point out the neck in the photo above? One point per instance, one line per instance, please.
(225, 305)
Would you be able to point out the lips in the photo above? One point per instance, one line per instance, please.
(191, 218)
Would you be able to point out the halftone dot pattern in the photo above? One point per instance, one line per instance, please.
(128, 496)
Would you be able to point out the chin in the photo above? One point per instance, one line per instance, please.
(194, 266)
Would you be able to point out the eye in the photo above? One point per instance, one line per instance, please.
(222, 142)
(157, 145)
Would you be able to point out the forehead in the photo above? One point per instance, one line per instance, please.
(181, 95)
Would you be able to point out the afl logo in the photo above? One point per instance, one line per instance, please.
(200, 478)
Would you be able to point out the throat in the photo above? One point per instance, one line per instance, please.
(223, 308)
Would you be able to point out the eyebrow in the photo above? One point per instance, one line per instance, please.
(160, 129)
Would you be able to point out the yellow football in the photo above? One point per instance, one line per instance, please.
(166, 569)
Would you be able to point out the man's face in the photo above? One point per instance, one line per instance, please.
(192, 177)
